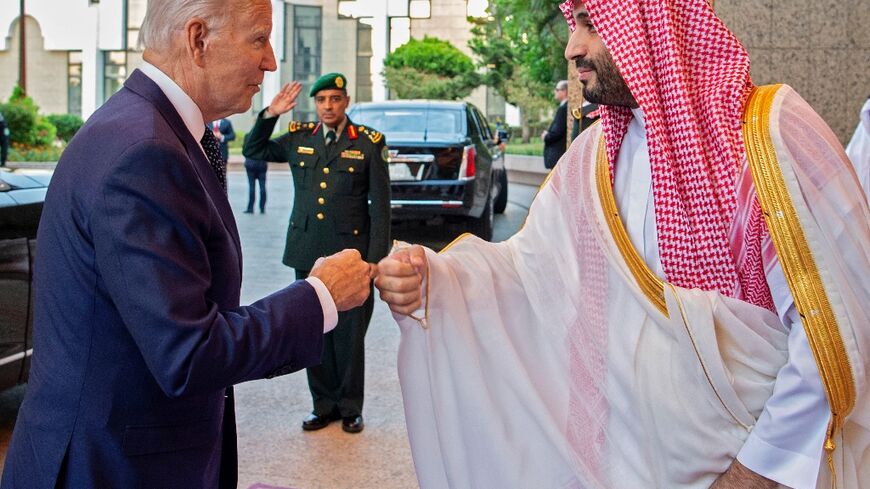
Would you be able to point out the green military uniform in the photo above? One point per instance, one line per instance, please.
(342, 200)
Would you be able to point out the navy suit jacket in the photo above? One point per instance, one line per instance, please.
(138, 331)
(554, 142)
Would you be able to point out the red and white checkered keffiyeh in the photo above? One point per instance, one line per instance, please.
(690, 76)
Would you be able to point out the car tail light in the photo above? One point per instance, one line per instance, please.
(467, 169)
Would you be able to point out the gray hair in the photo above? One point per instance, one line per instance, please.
(562, 85)
(165, 16)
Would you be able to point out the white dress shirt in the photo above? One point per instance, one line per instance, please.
(786, 443)
(192, 118)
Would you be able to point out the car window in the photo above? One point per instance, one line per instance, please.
(484, 125)
(403, 123)
(473, 124)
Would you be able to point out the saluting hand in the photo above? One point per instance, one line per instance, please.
(285, 99)
(400, 279)
(347, 277)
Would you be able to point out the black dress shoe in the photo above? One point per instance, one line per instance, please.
(248, 211)
(352, 424)
(314, 422)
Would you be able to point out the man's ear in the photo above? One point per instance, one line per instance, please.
(196, 30)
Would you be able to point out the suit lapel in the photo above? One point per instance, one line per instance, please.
(145, 87)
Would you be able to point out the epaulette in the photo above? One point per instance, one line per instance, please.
(375, 136)
(299, 126)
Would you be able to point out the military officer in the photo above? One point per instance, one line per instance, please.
(342, 200)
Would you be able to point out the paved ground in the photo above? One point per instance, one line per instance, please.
(273, 450)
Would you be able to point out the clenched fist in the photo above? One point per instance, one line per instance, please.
(347, 277)
(400, 279)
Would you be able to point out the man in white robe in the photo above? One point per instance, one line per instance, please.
(858, 148)
(686, 306)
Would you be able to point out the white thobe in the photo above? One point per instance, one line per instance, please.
(859, 148)
(786, 443)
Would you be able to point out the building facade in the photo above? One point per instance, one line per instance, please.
(75, 69)
(78, 52)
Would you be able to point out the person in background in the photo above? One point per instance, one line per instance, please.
(4, 140)
(138, 333)
(555, 137)
(256, 170)
(224, 133)
(859, 148)
(341, 200)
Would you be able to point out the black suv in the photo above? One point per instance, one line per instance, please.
(22, 193)
(444, 161)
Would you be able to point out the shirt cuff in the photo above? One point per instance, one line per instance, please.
(330, 313)
(791, 469)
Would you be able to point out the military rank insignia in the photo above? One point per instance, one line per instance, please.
(353, 154)
(375, 136)
(298, 126)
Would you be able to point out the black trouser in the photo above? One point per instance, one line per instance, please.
(337, 383)
(4, 147)
(255, 176)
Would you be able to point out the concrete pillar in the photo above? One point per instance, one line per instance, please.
(380, 49)
(92, 63)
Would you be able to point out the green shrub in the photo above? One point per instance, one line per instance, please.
(46, 133)
(21, 123)
(67, 125)
(430, 68)
(18, 97)
(18, 152)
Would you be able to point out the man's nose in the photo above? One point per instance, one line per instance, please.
(576, 47)
(269, 63)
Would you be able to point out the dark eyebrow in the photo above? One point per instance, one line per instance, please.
(581, 15)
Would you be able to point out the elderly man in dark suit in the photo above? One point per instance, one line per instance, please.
(341, 200)
(555, 137)
(138, 333)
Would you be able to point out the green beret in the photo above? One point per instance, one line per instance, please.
(330, 81)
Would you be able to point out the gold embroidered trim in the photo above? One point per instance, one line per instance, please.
(797, 262)
(652, 286)
(454, 242)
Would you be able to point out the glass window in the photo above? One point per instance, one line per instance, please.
(484, 125)
(74, 83)
(413, 123)
(306, 56)
(114, 72)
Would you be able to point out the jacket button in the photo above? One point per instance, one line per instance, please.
(350, 169)
(323, 185)
(320, 216)
(302, 164)
(321, 201)
(356, 232)
(326, 171)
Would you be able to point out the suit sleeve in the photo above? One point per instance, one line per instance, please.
(559, 126)
(151, 222)
(379, 207)
(258, 146)
(228, 132)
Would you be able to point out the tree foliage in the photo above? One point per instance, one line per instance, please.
(521, 46)
(430, 68)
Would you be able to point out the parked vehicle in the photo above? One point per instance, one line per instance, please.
(444, 161)
(22, 193)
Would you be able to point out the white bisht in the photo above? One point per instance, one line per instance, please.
(556, 359)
